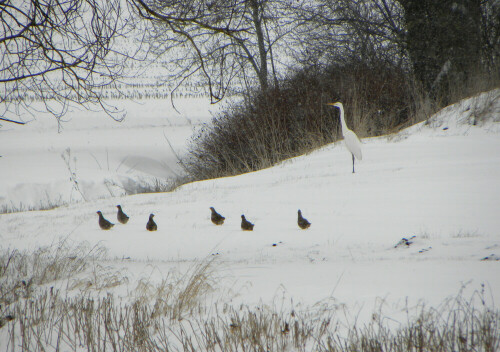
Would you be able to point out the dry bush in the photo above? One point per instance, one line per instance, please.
(480, 79)
(377, 97)
(283, 122)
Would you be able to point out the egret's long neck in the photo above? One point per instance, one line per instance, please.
(342, 120)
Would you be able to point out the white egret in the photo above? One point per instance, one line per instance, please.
(351, 141)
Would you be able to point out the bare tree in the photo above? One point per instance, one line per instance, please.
(346, 30)
(490, 33)
(433, 39)
(443, 38)
(223, 40)
(57, 52)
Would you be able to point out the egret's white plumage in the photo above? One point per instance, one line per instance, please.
(351, 141)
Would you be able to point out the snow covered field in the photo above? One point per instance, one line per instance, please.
(439, 182)
(41, 161)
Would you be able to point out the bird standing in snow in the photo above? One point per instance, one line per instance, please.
(103, 223)
(216, 218)
(303, 223)
(245, 224)
(351, 141)
(121, 216)
(151, 225)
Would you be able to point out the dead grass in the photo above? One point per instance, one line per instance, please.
(174, 315)
(178, 296)
(44, 204)
(51, 321)
(22, 272)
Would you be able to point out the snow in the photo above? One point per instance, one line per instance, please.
(437, 180)
(108, 158)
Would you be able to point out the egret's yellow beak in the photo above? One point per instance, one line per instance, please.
(331, 103)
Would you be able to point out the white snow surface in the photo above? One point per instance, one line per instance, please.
(105, 157)
(438, 181)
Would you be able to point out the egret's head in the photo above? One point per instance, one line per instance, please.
(337, 104)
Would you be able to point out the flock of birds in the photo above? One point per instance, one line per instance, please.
(123, 218)
(216, 218)
(246, 225)
(351, 141)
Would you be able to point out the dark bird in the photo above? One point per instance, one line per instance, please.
(103, 223)
(303, 223)
(245, 224)
(151, 225)
(216, 218)
(121, 216)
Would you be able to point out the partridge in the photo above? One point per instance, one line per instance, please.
(103, 223)
(151, 225)
(245, 224)
(121, 216)
(216, 218)
(303, 223)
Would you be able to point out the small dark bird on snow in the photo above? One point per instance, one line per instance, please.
(103, 223)
(216, 218)
(303, 223)
(151, 225)
(121, 216)
(245, 224)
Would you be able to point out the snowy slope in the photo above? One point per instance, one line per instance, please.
(107, 158)
(438, 181)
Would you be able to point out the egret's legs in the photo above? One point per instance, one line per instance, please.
(352, 163)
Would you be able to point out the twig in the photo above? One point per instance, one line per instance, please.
(13, 121)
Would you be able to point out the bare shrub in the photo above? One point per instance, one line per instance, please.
(292, 119)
